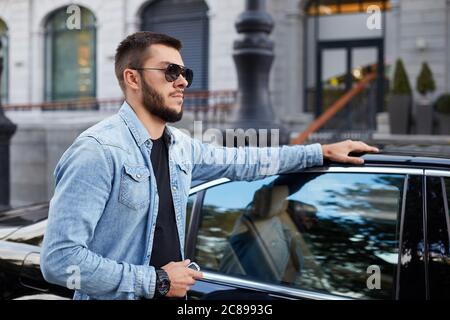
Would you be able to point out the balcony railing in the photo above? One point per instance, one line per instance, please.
(343, 119)
(208, 106)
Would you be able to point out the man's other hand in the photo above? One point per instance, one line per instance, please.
(339, 152)
(181, 277)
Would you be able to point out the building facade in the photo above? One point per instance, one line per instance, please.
(45, 61)
(321, 48)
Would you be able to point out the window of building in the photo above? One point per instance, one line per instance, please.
(186, 20)
(5, 54)
(70, 57)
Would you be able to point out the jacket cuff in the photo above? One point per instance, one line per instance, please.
(314, 152)
(146, 282)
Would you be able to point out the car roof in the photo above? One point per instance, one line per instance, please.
(396, 156)
(404, 157)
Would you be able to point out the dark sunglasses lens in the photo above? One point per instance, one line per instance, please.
(173, 71)
(189, 76)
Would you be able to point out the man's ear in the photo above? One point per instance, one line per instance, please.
(131, 79)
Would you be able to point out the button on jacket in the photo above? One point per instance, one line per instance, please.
(103, 213)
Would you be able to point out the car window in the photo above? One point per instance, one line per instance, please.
(329, 232)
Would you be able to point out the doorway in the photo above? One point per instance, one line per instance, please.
(340, 65)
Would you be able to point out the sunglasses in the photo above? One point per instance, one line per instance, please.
(173, 71)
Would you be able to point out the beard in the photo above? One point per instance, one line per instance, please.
(153, 102)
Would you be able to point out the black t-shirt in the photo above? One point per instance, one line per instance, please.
(166, 245)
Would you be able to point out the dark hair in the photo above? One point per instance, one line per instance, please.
(132, 51)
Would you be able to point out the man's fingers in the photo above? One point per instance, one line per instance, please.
(367, 148)
(354, 160)
(340, 152)
(195, 274)
(360, 146)
(186, 262)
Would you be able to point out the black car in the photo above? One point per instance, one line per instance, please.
(376, 231)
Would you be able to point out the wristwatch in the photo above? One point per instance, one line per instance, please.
(162, 283)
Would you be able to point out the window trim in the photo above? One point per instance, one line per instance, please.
(446, 205)
(388, 170)
(206, 185)
(218, 278)
(194, 223)
(437, 173)
(401, 238)
(425, 235)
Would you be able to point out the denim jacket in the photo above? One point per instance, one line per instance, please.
(103, 213)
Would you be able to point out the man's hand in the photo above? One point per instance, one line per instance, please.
(339, 151)
(181, 277)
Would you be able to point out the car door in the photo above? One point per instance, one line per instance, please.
(330, 233)
(30, 282)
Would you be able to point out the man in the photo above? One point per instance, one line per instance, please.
(116, 220)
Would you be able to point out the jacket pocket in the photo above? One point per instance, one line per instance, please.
(134, 186)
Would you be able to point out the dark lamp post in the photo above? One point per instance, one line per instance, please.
(253, 56)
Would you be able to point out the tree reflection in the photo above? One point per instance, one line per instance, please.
(357, 228)
(344, 224)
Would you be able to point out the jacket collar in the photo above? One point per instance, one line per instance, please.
(137, 128)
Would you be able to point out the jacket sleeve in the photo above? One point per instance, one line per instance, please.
(251, 163)
(83, 184)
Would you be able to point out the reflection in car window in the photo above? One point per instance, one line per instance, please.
(222, 207)
(329, 232)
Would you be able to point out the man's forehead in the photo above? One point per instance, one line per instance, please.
(165, 63)
(164, 55)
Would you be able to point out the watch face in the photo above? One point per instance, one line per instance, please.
(163, 287)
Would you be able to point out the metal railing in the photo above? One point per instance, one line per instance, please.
(68, 105)
(208, 106)
(353, 116)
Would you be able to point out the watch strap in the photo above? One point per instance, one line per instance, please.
(162, 283)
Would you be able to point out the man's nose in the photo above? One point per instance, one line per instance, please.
(181, 82)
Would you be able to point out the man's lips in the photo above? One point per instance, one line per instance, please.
(177, 95)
